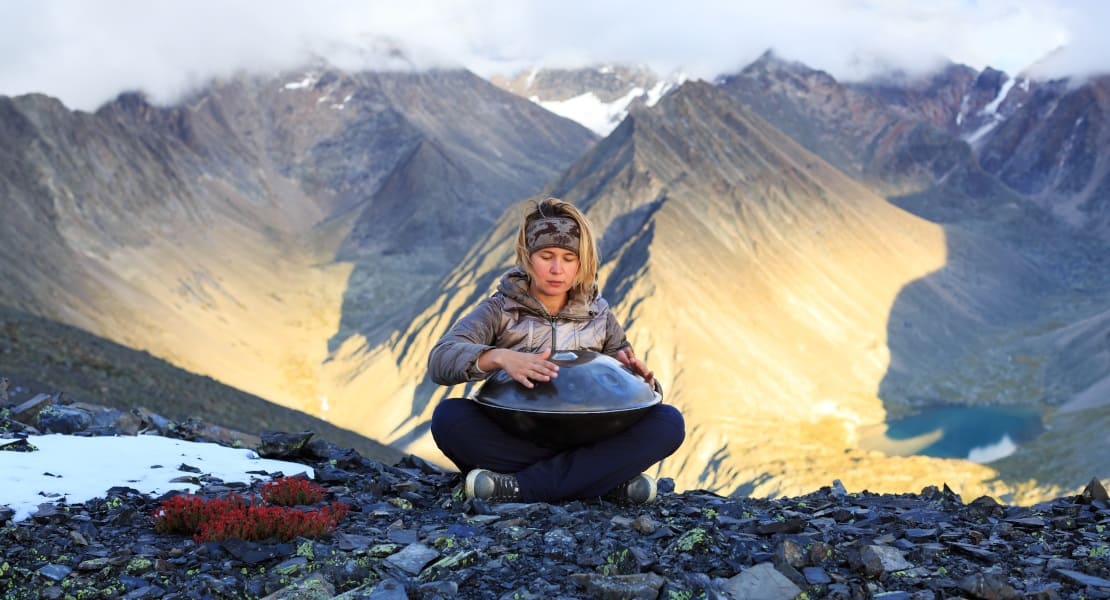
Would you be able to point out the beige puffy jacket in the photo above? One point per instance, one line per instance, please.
(513, 319)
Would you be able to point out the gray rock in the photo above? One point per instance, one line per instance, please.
(791, 553)
(254, 553)
(644, 524)
(20, 445)
(313, 587)
(1095, 492)
(292, 566)
(387, 589)
(883, 559)
(1084, 579)
(282, 445)
(988, 586)
(640, 586)
(55, 572)
(29, 410)
(144, 592)
(441, 589)
(816, 576)
(63, 419)
(413, 558)
(920, 535)
(974, 551)
(761, 582)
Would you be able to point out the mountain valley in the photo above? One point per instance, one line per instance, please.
(800, 260)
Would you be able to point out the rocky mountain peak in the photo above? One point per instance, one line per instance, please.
(935, 98)
(1051, 144)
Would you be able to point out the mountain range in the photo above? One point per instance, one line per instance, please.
(799, 259)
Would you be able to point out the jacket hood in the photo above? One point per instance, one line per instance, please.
(514, 286)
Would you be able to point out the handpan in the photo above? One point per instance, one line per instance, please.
(593, 397)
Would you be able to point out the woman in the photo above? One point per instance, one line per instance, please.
(549, 302)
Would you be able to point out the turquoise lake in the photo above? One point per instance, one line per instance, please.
(976, 433)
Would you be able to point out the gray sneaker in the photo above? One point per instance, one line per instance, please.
(638, 490)
(491, 487)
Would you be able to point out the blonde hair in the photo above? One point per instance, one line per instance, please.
(586, 279)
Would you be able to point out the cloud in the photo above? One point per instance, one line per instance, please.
(87, 52)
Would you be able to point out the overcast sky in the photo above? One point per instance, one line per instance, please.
(87, 51)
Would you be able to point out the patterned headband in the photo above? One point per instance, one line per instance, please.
(548, 232)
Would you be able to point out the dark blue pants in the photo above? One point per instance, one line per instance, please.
(472, 440)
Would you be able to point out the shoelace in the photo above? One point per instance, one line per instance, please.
(504, 487)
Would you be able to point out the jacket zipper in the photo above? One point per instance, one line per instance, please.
(553, 330)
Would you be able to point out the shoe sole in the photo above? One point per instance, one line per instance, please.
(468, 487)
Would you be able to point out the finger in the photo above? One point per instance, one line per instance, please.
(544, 354)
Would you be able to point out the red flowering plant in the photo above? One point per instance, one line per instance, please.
(292, 491)
(272, 516)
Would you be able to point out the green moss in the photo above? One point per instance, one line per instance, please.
(138, 565)
(695, 539)
(400, 503)
(383, 550)
(447, 542)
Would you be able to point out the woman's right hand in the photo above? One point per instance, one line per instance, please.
(521, 366)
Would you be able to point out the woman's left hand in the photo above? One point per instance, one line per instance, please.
(629, 359)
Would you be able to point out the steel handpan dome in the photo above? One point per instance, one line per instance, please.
(593, 397)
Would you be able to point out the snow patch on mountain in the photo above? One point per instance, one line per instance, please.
(990, 111)
(597, 115)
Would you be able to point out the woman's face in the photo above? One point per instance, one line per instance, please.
(555, 270)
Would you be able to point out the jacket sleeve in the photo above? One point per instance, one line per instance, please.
(453, 358)
(615, 339)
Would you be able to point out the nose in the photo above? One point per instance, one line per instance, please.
(556, 268)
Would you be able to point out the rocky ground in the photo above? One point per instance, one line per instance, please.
(410, 534)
